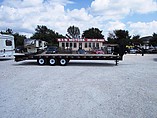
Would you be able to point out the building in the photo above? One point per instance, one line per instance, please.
(86, 44)
(146, 41)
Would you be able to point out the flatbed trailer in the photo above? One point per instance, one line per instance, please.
(63, 59)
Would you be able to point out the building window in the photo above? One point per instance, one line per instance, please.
(8, 43)
(63, 45)
(93, 45)
(67, 44)
(75, 45)
(85, 45)
(71, 45)
(90, 45)
(97, 45)
(80, 45)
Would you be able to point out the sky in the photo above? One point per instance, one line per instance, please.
(139, 17)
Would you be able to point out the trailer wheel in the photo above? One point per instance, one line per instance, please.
(52, 61)
(41, 61)
(63, 62)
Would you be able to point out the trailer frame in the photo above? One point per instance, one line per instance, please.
(63, 59)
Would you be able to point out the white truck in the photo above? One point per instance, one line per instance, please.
(34, 45)
(7, 47)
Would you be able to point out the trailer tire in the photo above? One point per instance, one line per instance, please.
(63, 62)
(41, 61)
(52, 61)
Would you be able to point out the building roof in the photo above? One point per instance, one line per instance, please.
(80, 40)
(146, 38)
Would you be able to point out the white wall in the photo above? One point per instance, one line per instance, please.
(83, 45)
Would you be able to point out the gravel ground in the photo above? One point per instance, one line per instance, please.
(82, 89)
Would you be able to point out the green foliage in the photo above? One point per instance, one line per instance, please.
(120, 37)
(8, 31)
(45, 34)
(135, 40)
(136, 37)
(19, 39)
(73, 32)
(111, 38)
(93, 33)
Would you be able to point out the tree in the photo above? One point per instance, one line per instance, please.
(93, 33)
(8, 31)
(45, 34)
(19, 39)
(136, 40)
(111, 38)
(73, 32)
(120, 37)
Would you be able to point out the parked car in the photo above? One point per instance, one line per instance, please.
(133, 51)
(20, 49)
(97, 51)
(151, 51)
(65, 50)
(81, 51)
(52, 50)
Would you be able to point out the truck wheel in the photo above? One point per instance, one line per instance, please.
(63, 62)
(41, 61)
(52, 62)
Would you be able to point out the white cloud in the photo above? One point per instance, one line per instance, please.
(22, 3)
(111, 26)
(115, 10)
(143, 28)
(100, 5)
(143, 6)
(115, 26)
(20, 15)
(79, 15)
(24, 15)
